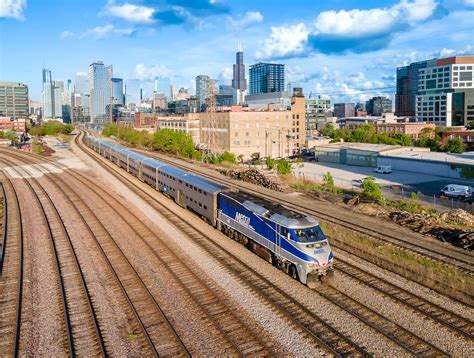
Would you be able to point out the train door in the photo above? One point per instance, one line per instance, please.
(277, 240)
(180, 198)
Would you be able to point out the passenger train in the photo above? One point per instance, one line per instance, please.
(291, 241)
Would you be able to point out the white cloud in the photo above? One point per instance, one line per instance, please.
(12, 9)
(361, 23)
(131, 13)
(251, 17)
(145, 73)
(284, 41)
(225, 76)
(99, 32)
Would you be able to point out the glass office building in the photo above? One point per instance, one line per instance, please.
(267, 78)
(100, 92)
(132, 92)
(117, 91)
(163, 85)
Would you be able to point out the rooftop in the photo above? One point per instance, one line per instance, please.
(465, 158)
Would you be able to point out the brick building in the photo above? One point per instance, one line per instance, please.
(17, 125)
(411, 129)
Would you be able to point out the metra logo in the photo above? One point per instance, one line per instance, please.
(243, 220)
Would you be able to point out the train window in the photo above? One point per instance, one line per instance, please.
(205, 207)
(200, 191)
(180, 181)
(200, 205)
(205, 194)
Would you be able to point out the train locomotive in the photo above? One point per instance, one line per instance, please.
(291, 241)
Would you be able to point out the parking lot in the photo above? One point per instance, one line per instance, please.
(343, 175)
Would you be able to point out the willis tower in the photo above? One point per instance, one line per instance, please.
(239, 83)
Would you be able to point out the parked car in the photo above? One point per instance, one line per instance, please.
(384, 169)
(358, 182)
(469, 199)
(456, 191)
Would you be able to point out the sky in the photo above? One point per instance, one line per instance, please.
(348, 50)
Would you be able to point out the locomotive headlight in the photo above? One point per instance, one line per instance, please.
(309, 246)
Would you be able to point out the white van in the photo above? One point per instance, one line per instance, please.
(384, 169)
(456, 191)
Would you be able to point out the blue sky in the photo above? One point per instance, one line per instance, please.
(346, 49)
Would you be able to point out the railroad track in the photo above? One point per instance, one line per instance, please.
(83, 334)
(240, 338)
(453, 321)
(461, 261)
(153, 330)
(407, 340)
(11, 272)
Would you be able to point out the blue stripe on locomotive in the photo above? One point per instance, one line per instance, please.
(265, 228)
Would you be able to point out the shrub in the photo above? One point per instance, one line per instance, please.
(283, 167)
(328, 179)
(372, 190)
(270, 163)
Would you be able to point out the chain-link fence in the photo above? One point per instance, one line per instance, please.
(396, 192)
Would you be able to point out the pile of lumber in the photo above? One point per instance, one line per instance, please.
(251, 176)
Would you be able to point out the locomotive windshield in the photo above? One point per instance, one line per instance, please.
(312, 234)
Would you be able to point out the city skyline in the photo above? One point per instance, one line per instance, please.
(348, 50)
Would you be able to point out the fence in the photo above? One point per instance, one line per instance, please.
(396, 192)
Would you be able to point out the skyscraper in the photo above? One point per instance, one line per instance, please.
(407, 88)
(100, 90)
(51, 96)
(132, 92)
(14, 100)
(82, 83)
(202, 90)
(267, 78)
(117, 91)
(239, 82)
(163, 85)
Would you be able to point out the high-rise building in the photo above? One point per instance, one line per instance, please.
(100, 89)
(238, 81)
(342, 110)
(203, 90)
(82, 83)
(132, 92)
(446, 92)
(163, 85)
(267, 78)
(407, 88)
(376, 106)
(51, 96)
(14, 100)
(117, 91)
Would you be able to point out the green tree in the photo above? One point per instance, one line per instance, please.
(455, 146)
(13, 136)
(2, 134)
(363, 134)
(328, 179)
(328, 130)
(470, 125)
(283, 167)
(371, 190)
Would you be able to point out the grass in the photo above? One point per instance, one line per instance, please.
(307, 185)
(446, 279)
(411, 206)
(132, 337)
(37, 147)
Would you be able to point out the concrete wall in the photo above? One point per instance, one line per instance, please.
(449, 170)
